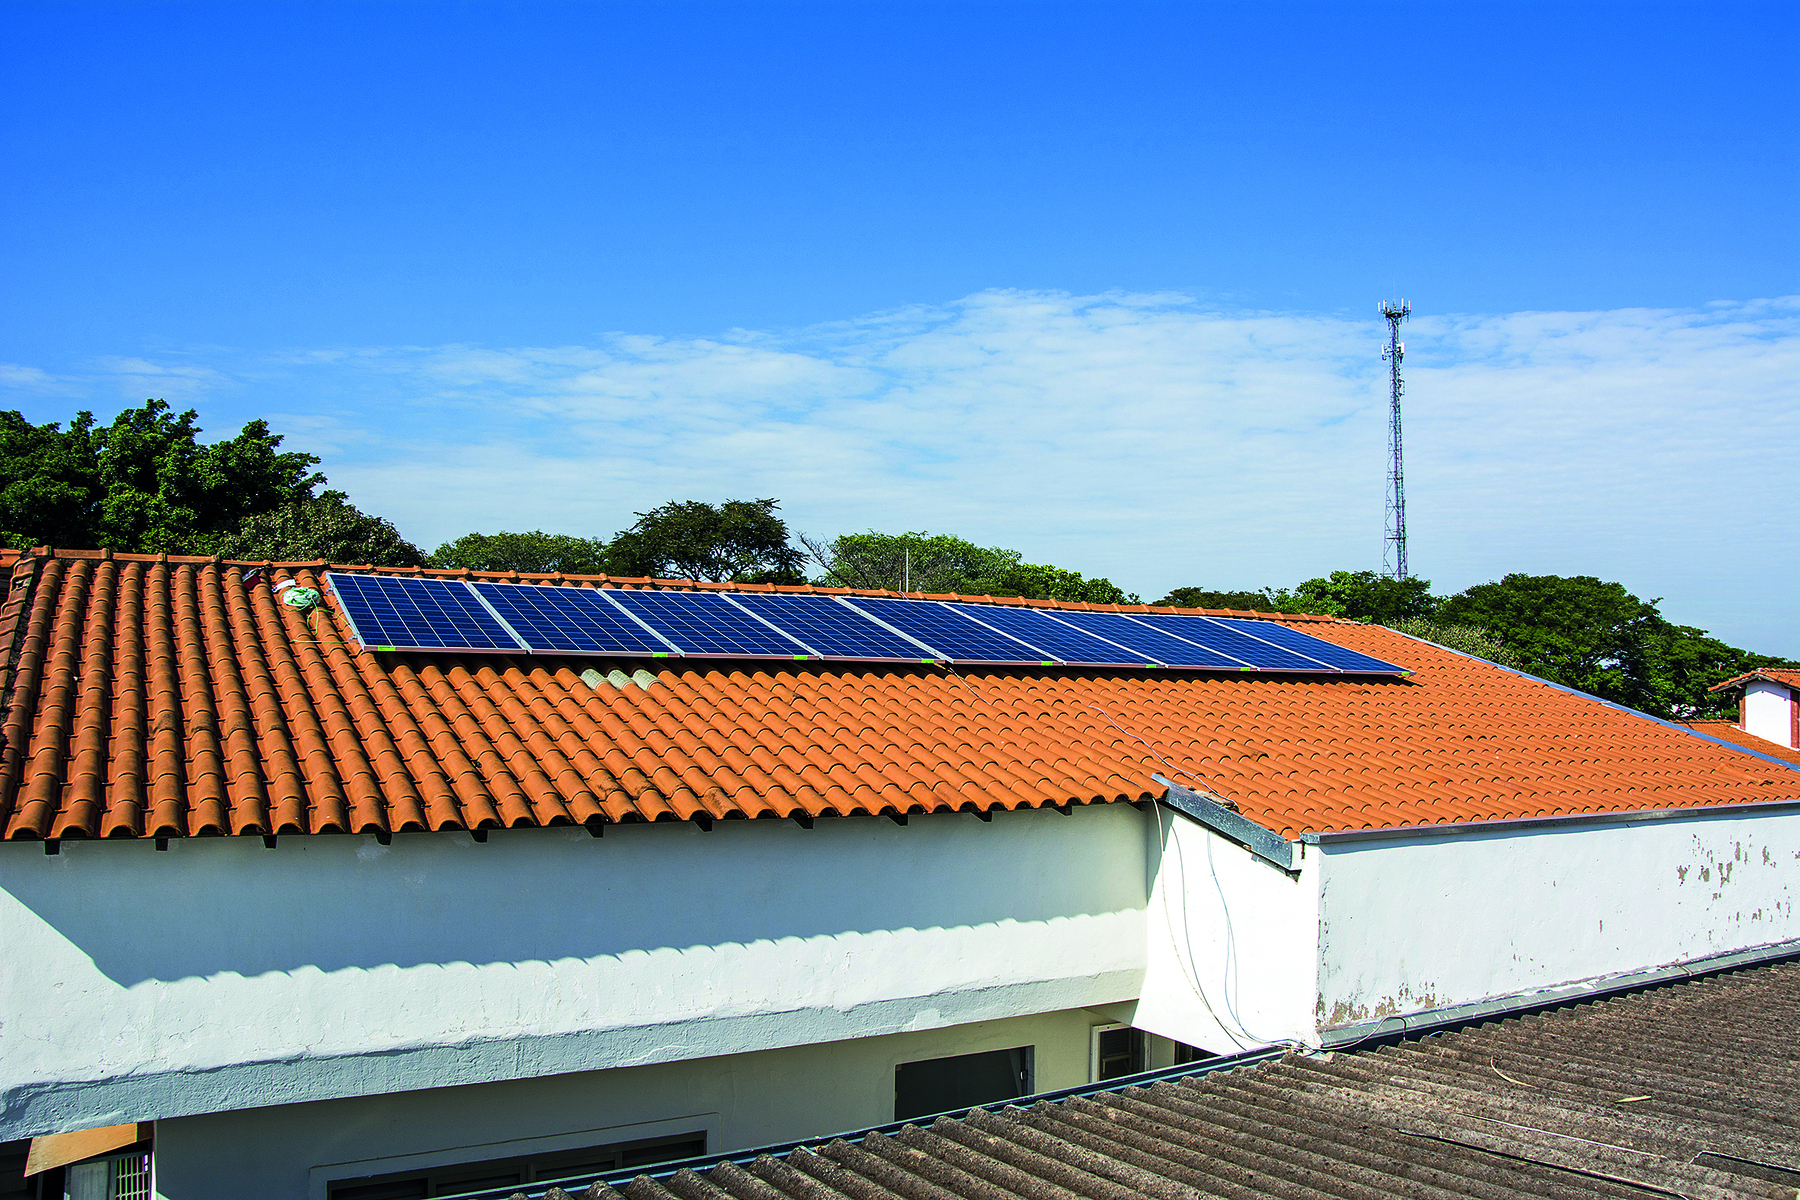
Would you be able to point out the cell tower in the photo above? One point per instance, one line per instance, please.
(1393, 551)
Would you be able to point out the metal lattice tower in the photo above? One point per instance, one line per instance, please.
(1393, 552)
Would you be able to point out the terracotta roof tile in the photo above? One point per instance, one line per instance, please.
(1783, 675)
(1744, 738)
(157, 696)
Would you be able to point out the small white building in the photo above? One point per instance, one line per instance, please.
(1768, 704)
(296, 917)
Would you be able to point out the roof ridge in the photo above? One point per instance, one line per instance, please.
(561, 578)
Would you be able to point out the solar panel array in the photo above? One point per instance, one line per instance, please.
(392, 612)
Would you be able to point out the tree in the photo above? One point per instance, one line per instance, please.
(143, 483)
(742, 541)
(1596, 636)
(1468, 639)
(326, 527)
(1361, 596)
(49, 477)
(1193, 597)
(536, 553)
(942, 563)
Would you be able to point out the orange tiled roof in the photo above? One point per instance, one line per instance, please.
(1783, 675)
(157, 696)
(1749, 741)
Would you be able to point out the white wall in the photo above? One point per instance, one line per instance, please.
(1769, 712)
(1435, 921)
(1231, 941)
(291, 1151)
(221, 975)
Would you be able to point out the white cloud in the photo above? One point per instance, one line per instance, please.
(1143, 437)
(16, 377)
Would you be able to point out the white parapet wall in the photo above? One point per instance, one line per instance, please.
(1436, 919)
(220, 975)
(1232, 940)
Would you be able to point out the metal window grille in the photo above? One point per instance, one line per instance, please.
(130, 1178)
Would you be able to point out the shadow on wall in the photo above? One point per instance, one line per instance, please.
(213, 905)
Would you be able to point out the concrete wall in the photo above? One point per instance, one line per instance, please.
(221, 975)
(290, 1151)
(1231, 942)
(1435, 921)
(1769, 712)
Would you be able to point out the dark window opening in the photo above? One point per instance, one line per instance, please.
(511, 1172)
(1118, 1051)
(1185, 1054)
(936, 1085)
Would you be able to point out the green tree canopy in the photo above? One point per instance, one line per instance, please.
(1193, 597)
(326, 527)
(1596, 636)
(742, 541)
(536, 552)
(143, 483)
(925, 562)
(1468, 639)
(1361, 596)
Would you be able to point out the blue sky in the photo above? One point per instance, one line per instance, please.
(1097, 282)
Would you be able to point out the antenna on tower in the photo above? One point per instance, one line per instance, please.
(1393, 550)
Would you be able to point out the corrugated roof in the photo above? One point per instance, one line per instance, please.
(1781, 675)
(148, 696)
(1685, 1090)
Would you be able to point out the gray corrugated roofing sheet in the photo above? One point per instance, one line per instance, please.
(1688, 1090)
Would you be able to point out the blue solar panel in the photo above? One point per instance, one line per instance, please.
(1153, 643)
(708, 623)
(834, 630)
(1226, 640)
(949, 632)
(576, 620)
(390, 612)
(1319, 648)
(1067, 643)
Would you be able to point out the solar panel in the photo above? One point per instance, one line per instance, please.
(834, 630)
(1326, 652)
(1233, 642)
(393, 612)
(574, 620)
(708, 623)
(1150, 642)
(1065, 641)
(949, 632)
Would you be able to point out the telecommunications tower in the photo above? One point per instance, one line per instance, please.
(1393, 551)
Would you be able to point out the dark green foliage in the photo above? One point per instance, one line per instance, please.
(1467, 639)
(1596, 636)
(1361, 596)
(1193, 597)
(143, 483)
(536, 552)
(942, 563)
(740, 540)
(326, 527)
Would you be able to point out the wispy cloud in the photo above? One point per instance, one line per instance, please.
(1144, 437)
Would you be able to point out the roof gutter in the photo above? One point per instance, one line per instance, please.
(1389, 833)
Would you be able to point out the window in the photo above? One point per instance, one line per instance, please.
(1185, 1054)
(122, 1177)
(936, 1085)
(1114, 1051)
(511, 1172)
